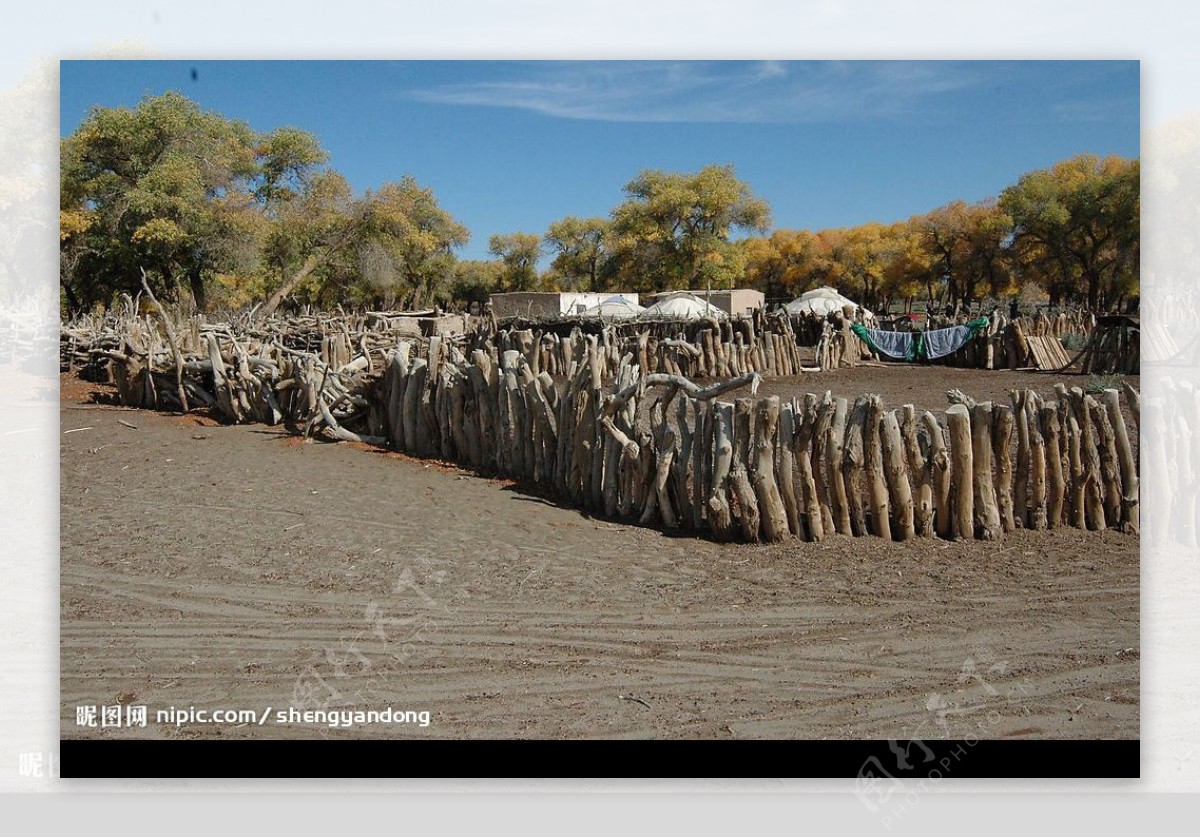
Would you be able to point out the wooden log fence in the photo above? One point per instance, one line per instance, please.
(580, 419)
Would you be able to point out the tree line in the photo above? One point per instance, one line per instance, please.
(232, 217)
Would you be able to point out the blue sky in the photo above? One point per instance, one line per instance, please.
(510, 146)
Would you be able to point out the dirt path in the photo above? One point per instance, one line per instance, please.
(234, 568)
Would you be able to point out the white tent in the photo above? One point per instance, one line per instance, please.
(614, 308)
(821, 301)
(682, 306)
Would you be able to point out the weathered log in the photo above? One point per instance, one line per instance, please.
(920, 472)
(172, 340)
(1078, 484)
(1109, 461)
(743, 432)
(962, 475)
(853, 460)
(1048, 416)
(877, 493)
(821, 431)
(1002, 435)
(1093, 487)
(787, 459)
(813, 520)
(770, 502)
(484, 410)
(1038, 511)
(834, 451)
(621, 487)
(1130, 504)
(720, 517)
(988, 526)
(682, 466)
(701, 456)
(341, 433)
(691, 389)
(659, 499)
(1020, 400)
(937, 458)
(743, 493)
(1135, 402)
(899, 488)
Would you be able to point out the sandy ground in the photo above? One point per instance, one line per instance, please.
(236, 568)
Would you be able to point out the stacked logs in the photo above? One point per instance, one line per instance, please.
(707, 348)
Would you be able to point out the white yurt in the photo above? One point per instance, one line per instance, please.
(821, 301)
(682, 306)
(614, 308)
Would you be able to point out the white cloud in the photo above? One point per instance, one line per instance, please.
(682, 91)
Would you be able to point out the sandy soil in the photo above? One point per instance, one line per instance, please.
(236, 568)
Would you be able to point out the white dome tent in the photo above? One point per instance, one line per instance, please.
(822, 301)
(682, 306)
(614, 308)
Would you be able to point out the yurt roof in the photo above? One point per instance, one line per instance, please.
(682, 306)
(615, 307)
(821, 301)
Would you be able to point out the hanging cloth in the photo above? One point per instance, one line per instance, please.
(926, 346)
(942, 342)
(893, 344)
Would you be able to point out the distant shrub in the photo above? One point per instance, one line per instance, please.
(1074, 342)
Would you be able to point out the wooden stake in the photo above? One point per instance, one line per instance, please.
(1020, 400)
(719, 514)
(1002, 435)
(877, 492)
(787, 459)
(834, 453)
(962, 470)
(770, 503)
(921, 473)
(814, 521)
(987, 513)
(937, 458)
(1130, 504)
(899, 488)
(853, 460)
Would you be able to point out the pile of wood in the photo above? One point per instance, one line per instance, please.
(707, 348)
(1043, 352)
(1113, 347)
(1058, 324)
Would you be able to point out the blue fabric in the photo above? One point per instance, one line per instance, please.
(893, 344)
(942, 342)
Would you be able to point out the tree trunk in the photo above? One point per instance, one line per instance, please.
(196, 283)
(289, 285)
